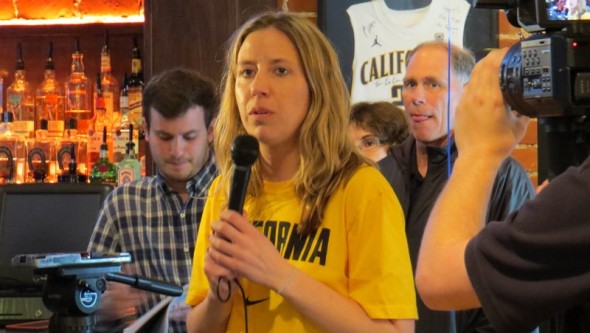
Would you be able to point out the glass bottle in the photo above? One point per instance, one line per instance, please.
(103, 171)
(124, 104)
(135, 92)
(110, 86)
(49, 100)
(78, 92)
(12, 152)
(100, 122)
(72, 146)
(20, 100)
(71, 174)
(121, 131)
(129, 169)
(41, 156)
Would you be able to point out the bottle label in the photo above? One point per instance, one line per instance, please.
(134, 99)
(135, 65)
(15, 98)
(55, 127)
(135, 108)
(124, 104)
(120, 139)
(6, 165)
(105, 63)
(94, 142)
(107, 103)
(25, 126)
(78, 98)
(125, 175)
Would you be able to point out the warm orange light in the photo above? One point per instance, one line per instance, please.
(74, 21)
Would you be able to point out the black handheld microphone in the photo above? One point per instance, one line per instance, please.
(244, 152)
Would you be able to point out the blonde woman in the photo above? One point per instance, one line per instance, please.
(321, 246)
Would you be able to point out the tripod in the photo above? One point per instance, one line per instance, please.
(72, 292)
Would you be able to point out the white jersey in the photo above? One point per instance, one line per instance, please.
(383, 37)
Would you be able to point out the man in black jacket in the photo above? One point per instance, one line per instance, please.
(418, 168)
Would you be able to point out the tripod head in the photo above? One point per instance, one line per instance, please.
(74, 283)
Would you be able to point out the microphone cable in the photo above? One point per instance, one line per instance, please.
(224, 300)
(245, 300)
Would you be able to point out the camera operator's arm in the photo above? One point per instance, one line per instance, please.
(486, 131)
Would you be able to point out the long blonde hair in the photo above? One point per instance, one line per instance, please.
(328, 158)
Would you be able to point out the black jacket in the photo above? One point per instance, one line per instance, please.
(417, 196)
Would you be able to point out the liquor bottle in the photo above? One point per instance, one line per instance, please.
(100, 121)
(49, 100)
(71, 174)
(135, 92)
(129, 169)
(41, 156)
(124, 103)
(20, 99)
(110, 86)
(72, 146)
(121, 131)
(12, 152)
(103, 171)
(78, 92)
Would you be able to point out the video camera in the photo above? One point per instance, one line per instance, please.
(547, 74)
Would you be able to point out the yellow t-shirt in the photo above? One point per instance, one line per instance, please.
(360, 251)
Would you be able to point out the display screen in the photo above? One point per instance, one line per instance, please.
(46, 218)
(567, 10)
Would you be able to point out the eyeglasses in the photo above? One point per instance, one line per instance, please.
(369, 143)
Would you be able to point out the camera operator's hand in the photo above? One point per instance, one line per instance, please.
(485, 125)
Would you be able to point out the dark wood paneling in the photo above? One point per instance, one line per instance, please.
(192, 33)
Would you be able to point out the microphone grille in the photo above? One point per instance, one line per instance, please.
(244, 150)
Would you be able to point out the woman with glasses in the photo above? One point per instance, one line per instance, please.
(375, 127)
